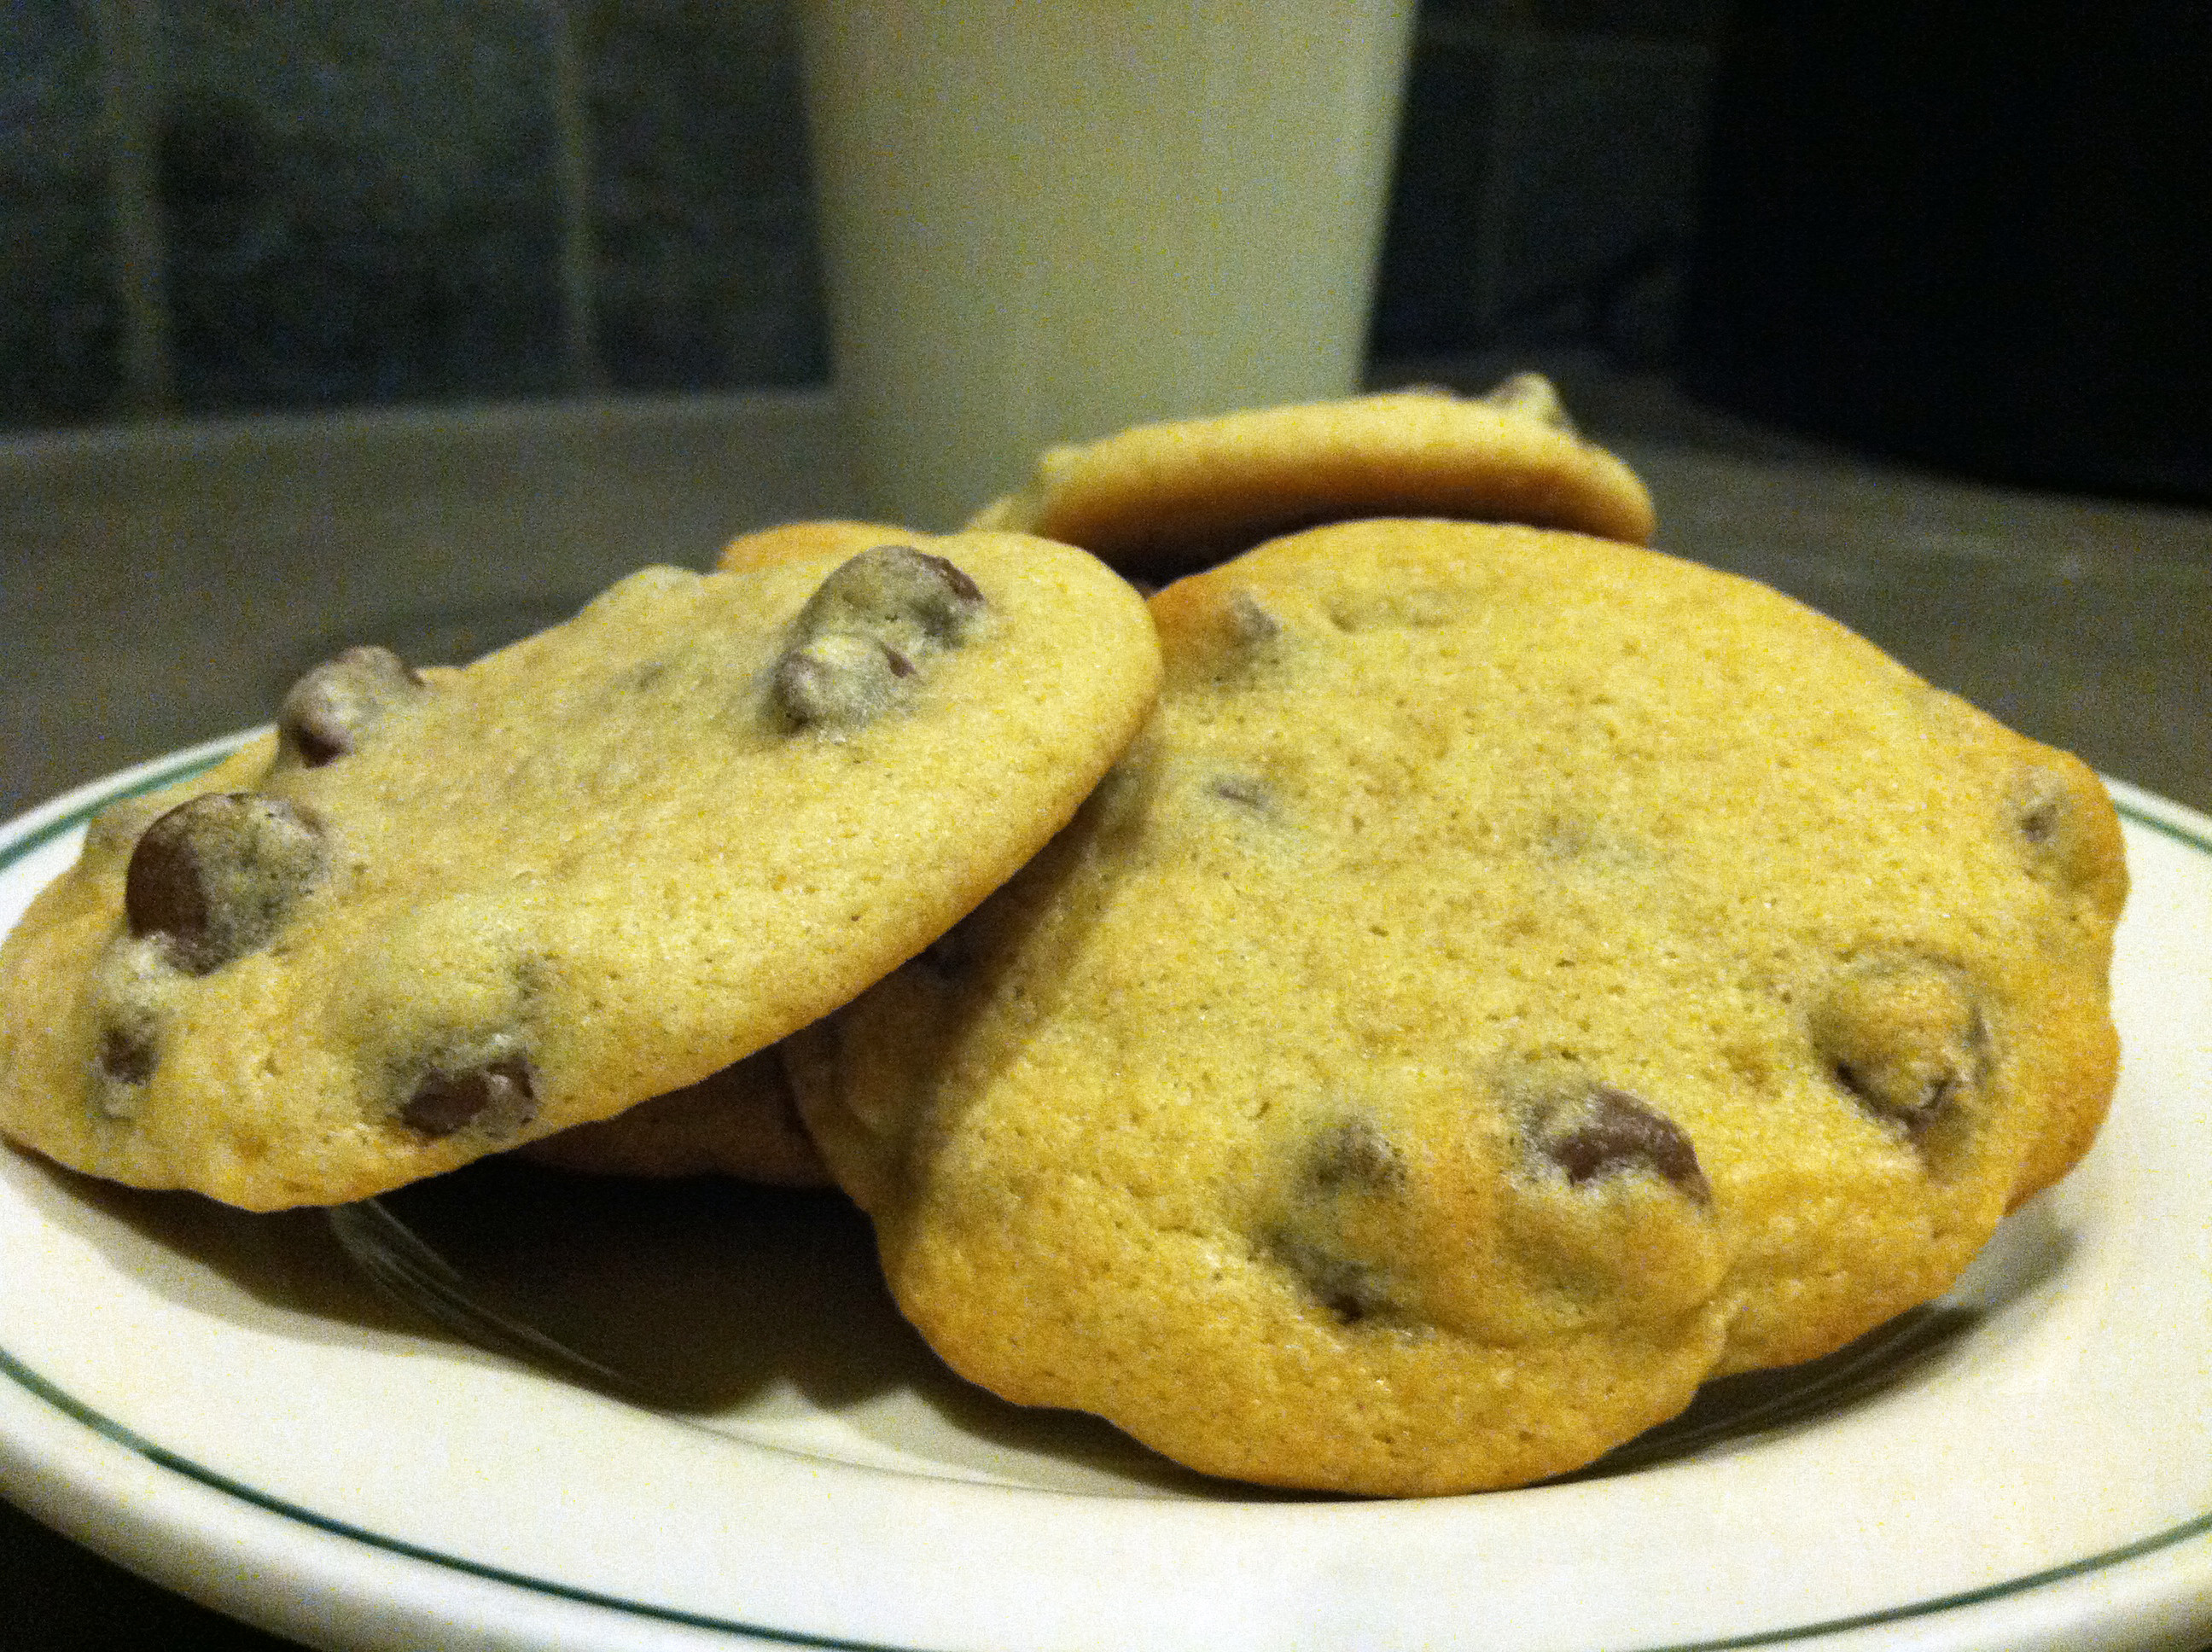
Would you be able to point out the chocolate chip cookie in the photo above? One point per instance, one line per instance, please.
(440, 914)
(1164, 500)
(1514, 978)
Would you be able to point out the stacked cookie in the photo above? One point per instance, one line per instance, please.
(1392, 1014)
(440, 915)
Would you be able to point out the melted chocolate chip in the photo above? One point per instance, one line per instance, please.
(442, 1102)
(1612, 1133)
(216, 877)
(325, 714)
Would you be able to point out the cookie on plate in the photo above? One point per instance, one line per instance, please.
(741, 1121)
(738, 1122)
(1164, 500)
(1514, 978)
(443, 914)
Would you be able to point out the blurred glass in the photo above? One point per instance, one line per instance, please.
(1047, 220)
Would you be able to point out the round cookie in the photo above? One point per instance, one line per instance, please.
(453, 912)
(1164, 500)
(738, 1122)
(789, 541)
(1514, 978)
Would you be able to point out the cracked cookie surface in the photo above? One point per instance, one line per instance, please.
(1514, 978)
(437, 914)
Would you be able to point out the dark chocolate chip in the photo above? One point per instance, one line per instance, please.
(1611, 1132)
(216, 877)
(325, 714)
(442, 1102)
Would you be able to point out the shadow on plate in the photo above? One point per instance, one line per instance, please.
(692, 1297)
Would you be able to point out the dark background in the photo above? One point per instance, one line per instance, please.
(1970, 233)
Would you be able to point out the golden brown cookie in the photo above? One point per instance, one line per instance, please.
(1164, 500)
(445, 913)
(1514, 978)
(791, 541)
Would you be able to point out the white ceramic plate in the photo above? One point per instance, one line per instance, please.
(209, 1398)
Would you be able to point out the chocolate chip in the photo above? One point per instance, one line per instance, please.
(216, 877)
(325, 714)
(1611, 1132)
(442, 1102)
(1355, 1157)
(1250, 621)
(1350, 1289)
(866, 630)
(839, 680)
(127, 1055)
(1904, 1038)
(894, 586)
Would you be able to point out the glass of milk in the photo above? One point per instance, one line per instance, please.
(1047, 220)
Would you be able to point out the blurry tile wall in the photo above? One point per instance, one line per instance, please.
(224, 206)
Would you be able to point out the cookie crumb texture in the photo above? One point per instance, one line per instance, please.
(436, 915)
(1514, 978)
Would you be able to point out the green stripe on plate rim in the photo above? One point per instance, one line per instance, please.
(33, 832)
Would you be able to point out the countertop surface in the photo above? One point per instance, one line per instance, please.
(166, 586)
(161, 586)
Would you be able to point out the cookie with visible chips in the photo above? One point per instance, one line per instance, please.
(442, 914)
(1164, 500)
(1514, 978)
(740, 1122)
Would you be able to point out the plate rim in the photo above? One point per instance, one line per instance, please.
(54, 1447)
